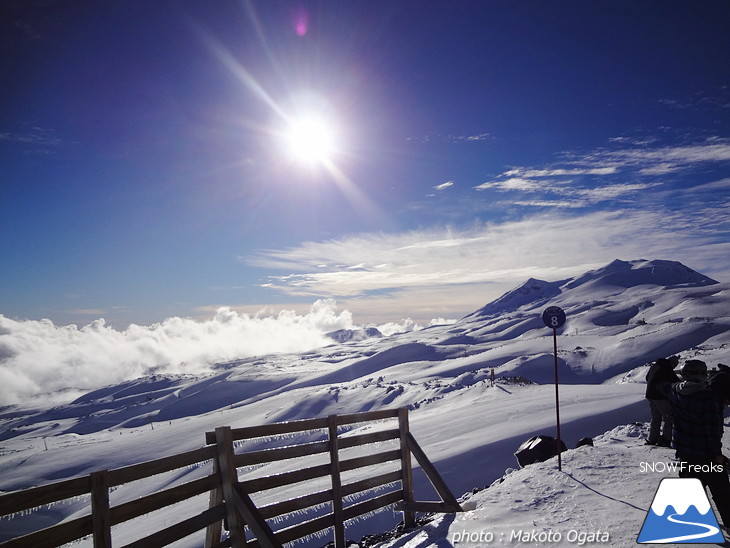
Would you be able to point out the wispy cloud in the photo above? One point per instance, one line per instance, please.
(89, 312)
(513, 183)
(631, 155)
(599, 177)
(33, 135)
(552, 204)
(523, 172)
(722, 184)
(470, 138)
(612, 192)
(633, 141)
(568, 196)
(701, 100)
(659, 160)
(450, 138)
(444, 186)
(492, 253)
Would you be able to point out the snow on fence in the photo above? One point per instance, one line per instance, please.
(230, 503)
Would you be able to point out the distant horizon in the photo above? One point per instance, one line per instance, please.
(40, 358)
(303, 309)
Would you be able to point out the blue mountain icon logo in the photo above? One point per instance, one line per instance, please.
(680, 514)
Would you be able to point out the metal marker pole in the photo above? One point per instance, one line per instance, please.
(558, 444)
(554, 318)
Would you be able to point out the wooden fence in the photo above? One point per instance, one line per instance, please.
(230, 500)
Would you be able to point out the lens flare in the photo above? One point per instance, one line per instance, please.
(301, 22)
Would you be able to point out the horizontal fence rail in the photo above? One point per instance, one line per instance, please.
(102, 517)
(232, 519)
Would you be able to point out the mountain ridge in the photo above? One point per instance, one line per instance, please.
(670, 274)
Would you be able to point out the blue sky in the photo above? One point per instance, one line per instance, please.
(145, 170)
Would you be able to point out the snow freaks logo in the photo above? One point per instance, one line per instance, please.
(680, 513)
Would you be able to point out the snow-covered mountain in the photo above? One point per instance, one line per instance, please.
(620, 318)
(348, 335)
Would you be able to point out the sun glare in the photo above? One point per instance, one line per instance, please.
(310, 140)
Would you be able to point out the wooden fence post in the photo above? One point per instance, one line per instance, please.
(100, 515)
(229, 477)
(432, 474)
(336, 483)
(214, 530)
(244, 505)
(409, 516)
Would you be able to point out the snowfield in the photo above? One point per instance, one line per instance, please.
(620, 319)
(600, 498)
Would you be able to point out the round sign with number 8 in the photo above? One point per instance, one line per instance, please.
(553, 317)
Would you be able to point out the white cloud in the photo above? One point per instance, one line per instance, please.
(38, 357)
(722, 184)
(33, 136)
(566, 204)
(523, 172)
(633, 155)
(659, 169)
(513, 183)
(471, 138)
(435, 136)
(444, 186)
(610, 192)
(492, 253)
(571, 196)
(661, 160)
(645, 141)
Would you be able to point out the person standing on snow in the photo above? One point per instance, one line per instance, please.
(699, 416)
(720, 382)
(659, 406)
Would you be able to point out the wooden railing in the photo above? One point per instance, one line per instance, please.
(230, 500)
(103, 517)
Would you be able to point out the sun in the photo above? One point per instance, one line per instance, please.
(310, 139)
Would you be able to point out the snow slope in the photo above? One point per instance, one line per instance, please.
(620, 318)
(600, 498)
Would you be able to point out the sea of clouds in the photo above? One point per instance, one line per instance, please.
(41, 362)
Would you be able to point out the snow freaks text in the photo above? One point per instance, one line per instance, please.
(674, 467)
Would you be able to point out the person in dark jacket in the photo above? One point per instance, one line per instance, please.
(699, 414)
(661, 410)
(720, 382)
